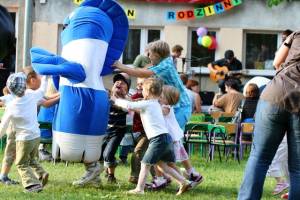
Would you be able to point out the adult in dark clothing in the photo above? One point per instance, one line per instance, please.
(229, 61)
(7, 45)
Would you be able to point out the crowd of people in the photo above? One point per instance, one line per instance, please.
(162, 104)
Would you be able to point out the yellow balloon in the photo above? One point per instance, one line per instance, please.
(206, 41)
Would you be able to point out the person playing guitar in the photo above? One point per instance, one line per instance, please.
(225, 68)
(228, 64)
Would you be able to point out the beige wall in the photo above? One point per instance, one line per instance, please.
(45, 35)
(177, 35)
(230, 38)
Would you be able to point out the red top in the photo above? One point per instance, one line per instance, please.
(137, 125)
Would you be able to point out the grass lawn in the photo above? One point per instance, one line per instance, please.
(222, 181)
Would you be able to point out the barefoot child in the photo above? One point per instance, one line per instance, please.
(160, 150)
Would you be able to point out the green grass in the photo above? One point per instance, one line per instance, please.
(222, 181)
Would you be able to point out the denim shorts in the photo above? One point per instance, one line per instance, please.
(160, 149)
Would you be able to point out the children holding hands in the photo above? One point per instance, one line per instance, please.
(160, 150)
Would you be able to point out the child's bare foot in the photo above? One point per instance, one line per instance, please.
(135, 191)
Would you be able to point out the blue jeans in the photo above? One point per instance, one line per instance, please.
(109, 149)
(271, 124)
(183, 115)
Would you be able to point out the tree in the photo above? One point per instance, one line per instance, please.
(271, 3)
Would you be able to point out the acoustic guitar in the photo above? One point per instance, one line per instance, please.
(223, 72)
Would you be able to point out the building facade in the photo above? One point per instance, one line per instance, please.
(250, 28)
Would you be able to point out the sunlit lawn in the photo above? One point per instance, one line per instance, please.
(222, 181)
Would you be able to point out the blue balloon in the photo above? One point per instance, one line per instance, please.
(199, 40)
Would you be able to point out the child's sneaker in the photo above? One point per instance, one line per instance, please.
(196, 179)
(34, 188)
(134, 191)
(157, 184)
(6, 180)
(184, 187)
(280, 187)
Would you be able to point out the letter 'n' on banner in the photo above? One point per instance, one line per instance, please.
(227, 4)
(219, 8)
(131, 14)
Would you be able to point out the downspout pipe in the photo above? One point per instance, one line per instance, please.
(27, 31)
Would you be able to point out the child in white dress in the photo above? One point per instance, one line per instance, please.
(169, 97)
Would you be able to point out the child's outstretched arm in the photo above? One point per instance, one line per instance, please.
(51, 101)
(4, 123)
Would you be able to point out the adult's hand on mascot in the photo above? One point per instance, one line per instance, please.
(117, 64)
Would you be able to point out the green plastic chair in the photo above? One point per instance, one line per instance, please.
(223, 135)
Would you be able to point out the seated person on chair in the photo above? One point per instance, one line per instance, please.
(249, 107)
(230, 101)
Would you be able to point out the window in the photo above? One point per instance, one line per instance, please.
(200, 56)
(132, 48)
(153, 35)
(137, 41)
(260, 50)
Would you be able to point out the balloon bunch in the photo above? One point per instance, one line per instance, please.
(205, 40)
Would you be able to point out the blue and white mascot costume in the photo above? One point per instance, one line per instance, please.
(94, 37)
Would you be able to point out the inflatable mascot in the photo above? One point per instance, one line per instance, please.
(94, 37)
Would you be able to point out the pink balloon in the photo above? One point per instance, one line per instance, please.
(201, 31)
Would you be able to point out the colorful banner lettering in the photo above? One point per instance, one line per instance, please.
(131, 13)
(199, 13)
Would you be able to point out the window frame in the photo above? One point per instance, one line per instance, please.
(144, 37)
(258, 72)
(199, 69)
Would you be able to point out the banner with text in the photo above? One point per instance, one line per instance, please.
(198, 13)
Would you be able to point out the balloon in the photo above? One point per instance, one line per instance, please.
(199, 40)
(201, 31)
(206, 41)
(213, 43)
